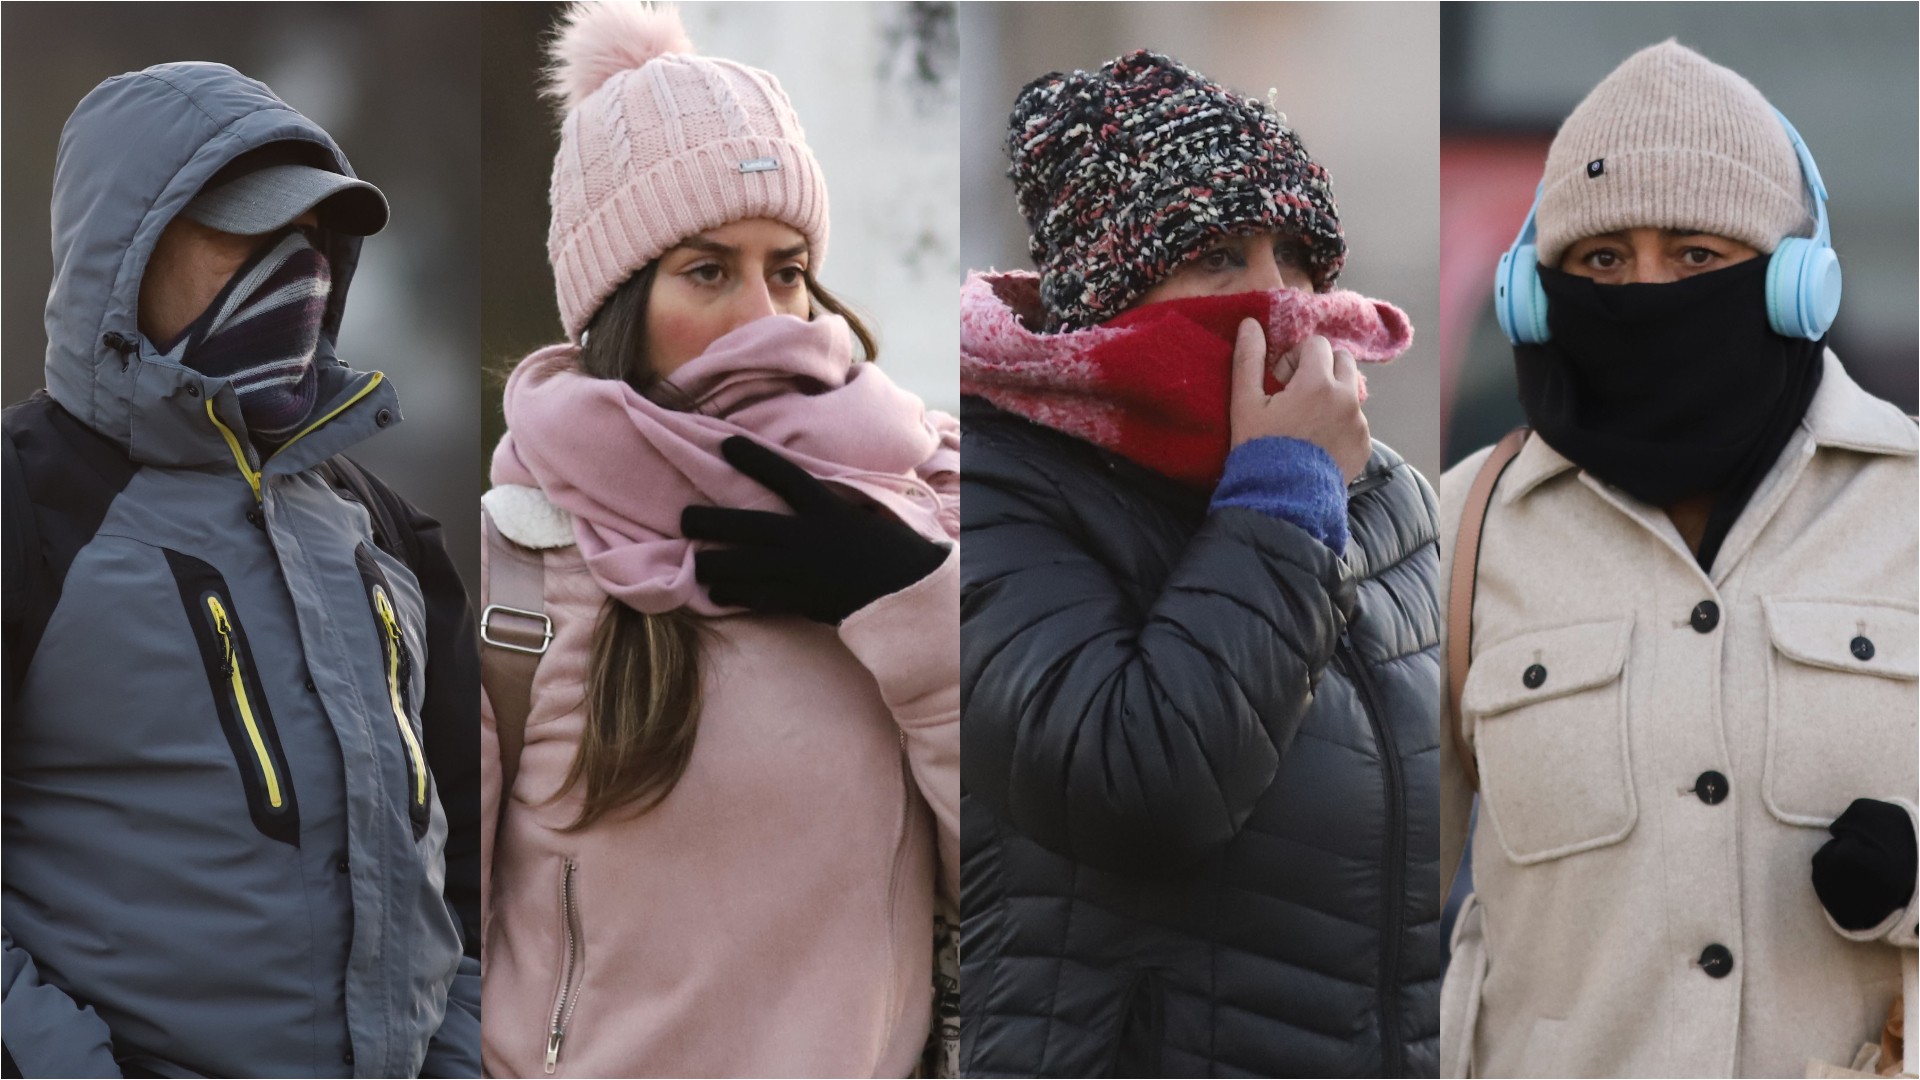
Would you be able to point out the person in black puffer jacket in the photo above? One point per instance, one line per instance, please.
(1199, 705)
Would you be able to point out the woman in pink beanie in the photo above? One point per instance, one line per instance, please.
(723, 752)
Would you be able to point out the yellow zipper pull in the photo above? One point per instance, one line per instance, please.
(228, 661)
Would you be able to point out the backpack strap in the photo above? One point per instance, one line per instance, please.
(1466, 566)
(514, 634)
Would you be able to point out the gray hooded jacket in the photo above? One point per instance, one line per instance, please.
(225, 850)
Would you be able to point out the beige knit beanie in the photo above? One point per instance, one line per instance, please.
(659, 145)
(1672, 140)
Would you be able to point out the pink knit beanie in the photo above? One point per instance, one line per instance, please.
(659, 145)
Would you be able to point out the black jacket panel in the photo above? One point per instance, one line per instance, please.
(1200, 773)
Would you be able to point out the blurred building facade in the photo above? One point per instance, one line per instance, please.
(394, 84)
(1358, 82)
(875, 87)
(1844, 73)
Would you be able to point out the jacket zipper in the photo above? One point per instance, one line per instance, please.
(564, 1003)
(1393, 902)
(240, 453)
(397, 669)
(231, 669)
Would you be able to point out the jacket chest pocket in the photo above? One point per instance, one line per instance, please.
(1842, 705)
(396, 672)
(1549, 714)
(238, 699)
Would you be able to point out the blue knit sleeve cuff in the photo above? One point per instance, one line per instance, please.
(1289, 479)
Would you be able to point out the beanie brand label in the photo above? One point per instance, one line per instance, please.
(760, 164)
(1596, 167)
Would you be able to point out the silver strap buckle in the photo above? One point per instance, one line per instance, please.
(546, 629)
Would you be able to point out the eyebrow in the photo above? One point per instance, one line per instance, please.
(714, 247)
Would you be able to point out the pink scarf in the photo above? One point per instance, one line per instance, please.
(1151, 384)
(625, 467)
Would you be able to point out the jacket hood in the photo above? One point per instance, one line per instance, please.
(134, 152)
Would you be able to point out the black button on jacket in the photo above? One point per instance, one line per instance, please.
(1199, 773)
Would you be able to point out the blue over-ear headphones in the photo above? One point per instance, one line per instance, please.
(1803, 274)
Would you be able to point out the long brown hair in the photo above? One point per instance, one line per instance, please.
(643, 675)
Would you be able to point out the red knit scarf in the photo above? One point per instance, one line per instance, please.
(1152, 383)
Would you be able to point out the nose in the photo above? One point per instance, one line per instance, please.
(1650, 263)
(1263, 270)
(752, 301)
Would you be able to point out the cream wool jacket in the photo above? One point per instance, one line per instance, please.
(1596, 701)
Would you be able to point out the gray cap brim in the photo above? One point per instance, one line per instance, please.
(270, 198)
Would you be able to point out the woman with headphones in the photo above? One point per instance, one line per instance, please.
(1682, 623)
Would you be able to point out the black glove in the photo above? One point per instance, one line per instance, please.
(826, 561)
(1865, 873)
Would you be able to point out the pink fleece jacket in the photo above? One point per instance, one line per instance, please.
(773, 915)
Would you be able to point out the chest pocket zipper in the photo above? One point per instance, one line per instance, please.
(237, 683)
(398, 669)
(241, 706)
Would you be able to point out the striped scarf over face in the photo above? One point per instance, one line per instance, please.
(260, 334)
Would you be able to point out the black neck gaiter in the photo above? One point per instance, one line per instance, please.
(1667, 391)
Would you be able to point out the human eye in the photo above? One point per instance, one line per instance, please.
(1290, 253)
(1222, 258)
(1603, 259)
(1698, 256)
(705, 272)
(788, 277)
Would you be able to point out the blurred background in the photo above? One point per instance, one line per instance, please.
(874, 86)
(1358, 82)
(1844, 74)
(394, 85)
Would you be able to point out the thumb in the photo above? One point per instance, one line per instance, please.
(1249, 362)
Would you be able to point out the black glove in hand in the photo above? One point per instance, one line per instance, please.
(826, 561)
(1865, 873)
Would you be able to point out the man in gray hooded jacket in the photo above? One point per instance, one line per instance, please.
(241, 690)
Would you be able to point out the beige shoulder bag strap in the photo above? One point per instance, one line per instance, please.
(1466, 565)
(514, 634)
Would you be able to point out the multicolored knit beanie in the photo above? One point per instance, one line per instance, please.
(1125, 174)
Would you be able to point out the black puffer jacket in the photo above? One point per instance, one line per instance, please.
(1200, 773)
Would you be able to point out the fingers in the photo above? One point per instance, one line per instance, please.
(1249, 361)
(759, 579)
(1284, 367)
(749, 567)
(728, 526)
(778, 475)
(1314, 363)
(1345, 371)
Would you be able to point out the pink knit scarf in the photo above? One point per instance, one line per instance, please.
(625, 467)
(1150, 384)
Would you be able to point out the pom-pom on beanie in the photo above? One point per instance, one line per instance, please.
(1672, 140)
(658, 145)
(1124, 174)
